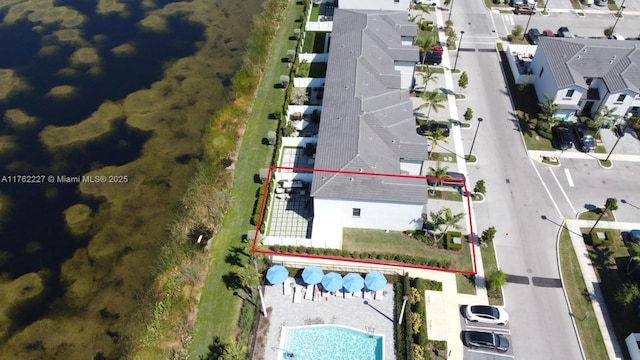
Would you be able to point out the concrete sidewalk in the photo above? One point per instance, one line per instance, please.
(591, 280)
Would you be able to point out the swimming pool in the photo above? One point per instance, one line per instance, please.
(330, 342)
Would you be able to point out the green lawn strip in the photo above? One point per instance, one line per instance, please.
(315, 12)
(576, 4)
(442, 157)
(595, 214)
(444, 195)
(219, 308)
(309, 40)
(600, 150)
(610, 265)
(466, 284)
(579, 299)
(490, 264)
(380, 241)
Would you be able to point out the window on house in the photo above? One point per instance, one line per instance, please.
(396, 1)
(589, 81)
(569, 93)
(541, 71)
(356, 212)
(621, 98)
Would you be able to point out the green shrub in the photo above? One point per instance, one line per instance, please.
(495, 280)
(468, 115)
(450, 244)
(596, 241)
(488, 235)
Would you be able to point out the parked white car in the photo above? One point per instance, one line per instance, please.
(487, 314)
(616, 36)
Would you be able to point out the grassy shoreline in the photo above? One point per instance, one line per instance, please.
(192, 304)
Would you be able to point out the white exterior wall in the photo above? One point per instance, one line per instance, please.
(326, 26)
(411, 167)
(308, 82)
(632, 345)
(313, 57)
(373, 214)
(407, 40)
(562, 99)
(544, 84)
(621, 108)
(406, 69)
(374, 4)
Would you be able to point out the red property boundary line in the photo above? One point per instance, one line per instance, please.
(362, 261)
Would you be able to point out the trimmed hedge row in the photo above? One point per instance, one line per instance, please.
(406, 259)
(449, 240)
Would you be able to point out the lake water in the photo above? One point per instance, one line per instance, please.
(121, 92)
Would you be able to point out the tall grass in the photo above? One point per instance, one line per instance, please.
(182, 264)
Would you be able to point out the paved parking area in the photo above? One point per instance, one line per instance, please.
(355, 312)
(295, 157)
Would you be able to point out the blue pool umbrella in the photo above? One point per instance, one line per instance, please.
(352, 282)
(375, 281)
(332, 282)
(277, 274)
(312, 274)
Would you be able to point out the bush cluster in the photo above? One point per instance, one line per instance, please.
(607, 241)
(401, 258)
(450, 244)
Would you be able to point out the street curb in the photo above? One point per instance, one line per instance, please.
(564, 291)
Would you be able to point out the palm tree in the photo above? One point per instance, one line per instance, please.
(440, 173)
(428, 76)
(606, 114)
(250, 277)
(434, 137)
(445, 217)
(549, 110)
(235, 351)
(433, 100)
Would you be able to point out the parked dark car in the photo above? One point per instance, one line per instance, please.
(486, 340)
(533, 36)
(564, 32)
(562, 138)
(433, 56)
(432, 127)
(585, 141)
(453, 179)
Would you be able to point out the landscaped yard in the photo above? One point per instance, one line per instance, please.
(610, 263)
(580, 301)
(314, 42)
(365, 240)
(490, 264)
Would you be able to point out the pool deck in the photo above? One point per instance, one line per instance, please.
(353, 312)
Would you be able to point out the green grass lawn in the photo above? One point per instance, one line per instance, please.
(309, 40)
(219, 308)
(595, 214)
(363, 240)
(315, 12)
(490, 264)
(576, 4)
(574, 285)
(443, 157)
(465, 284)
(610, 265)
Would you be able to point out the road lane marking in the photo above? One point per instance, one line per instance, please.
(569, 179)
(489, 327)
(546, 189)
(562, 190)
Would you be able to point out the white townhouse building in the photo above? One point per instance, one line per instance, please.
(368, 126)
(582, 75)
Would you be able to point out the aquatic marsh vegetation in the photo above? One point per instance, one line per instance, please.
(78, 219)
(97, 125)
(62, 92)
(11, 84)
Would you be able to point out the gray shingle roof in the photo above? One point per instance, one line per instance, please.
(573, 60)
(367, 122)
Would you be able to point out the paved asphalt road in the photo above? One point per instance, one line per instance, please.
(526, 200)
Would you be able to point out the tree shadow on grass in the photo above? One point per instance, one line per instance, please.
(232, 281)
(216, 350)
